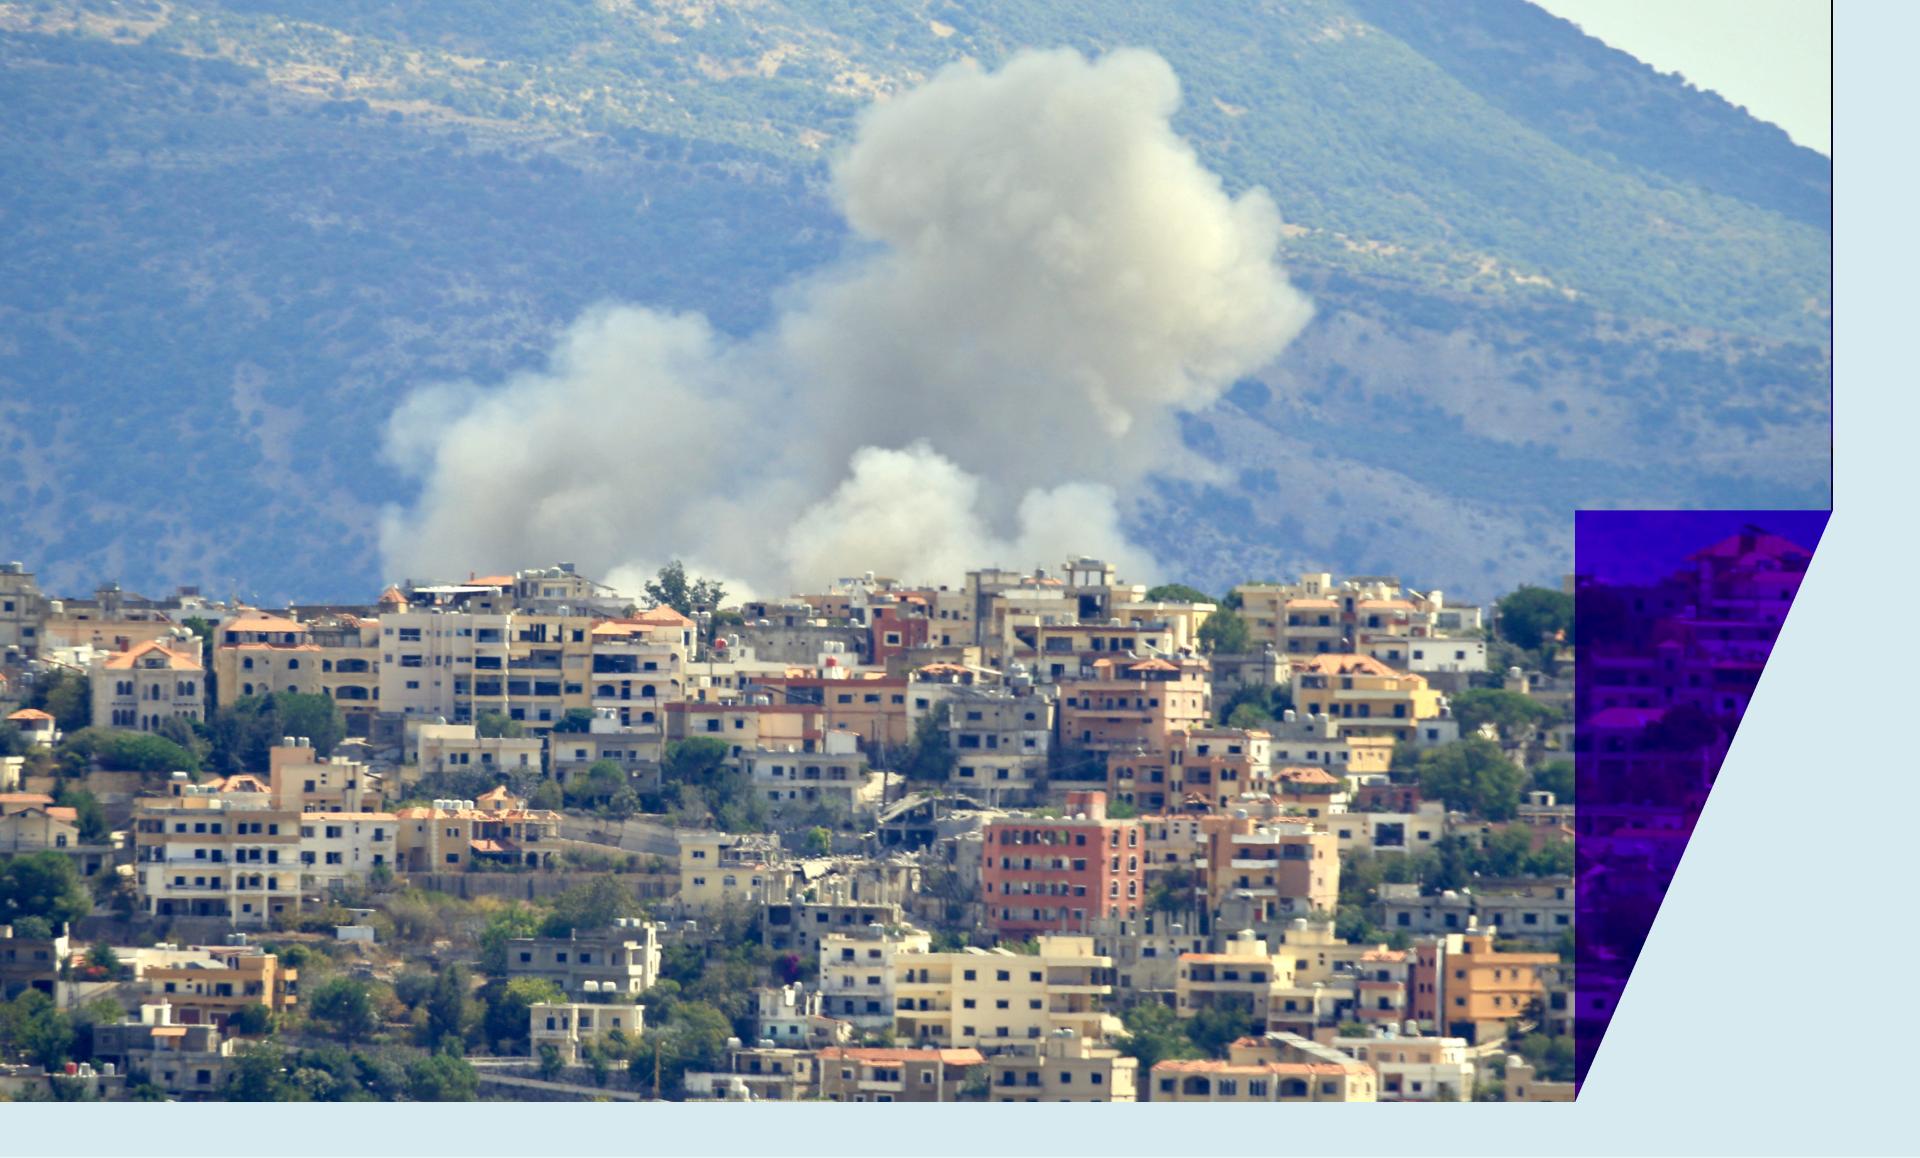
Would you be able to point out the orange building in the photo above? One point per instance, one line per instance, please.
(1467, 989)
(1129, 704)
(1053, 876)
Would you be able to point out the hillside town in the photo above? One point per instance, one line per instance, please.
(1041, 835)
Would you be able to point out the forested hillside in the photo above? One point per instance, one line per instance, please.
(237, 233)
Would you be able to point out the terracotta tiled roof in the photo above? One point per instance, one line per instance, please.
(274, 623)
(126, 660)
(30, 714)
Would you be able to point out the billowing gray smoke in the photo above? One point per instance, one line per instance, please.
(1045, 276)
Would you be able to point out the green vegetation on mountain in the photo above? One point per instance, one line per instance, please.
(237, 233)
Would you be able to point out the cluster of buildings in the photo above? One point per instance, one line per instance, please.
(1037, 820)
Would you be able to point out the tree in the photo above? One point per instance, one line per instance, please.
(254, 1020)
(346, 1006)
(509, 1007)
(260, 1074)
(241, 738)
(929, 754)
(1513, 714)
(1474, 776)
(1178, 593)
(1155, 1034)
(517, 920)
(575, 720)
(594, 905)
(450, 1009)
(602, 780)
(1555, 776)
(1533, 615)
(547, 794)
(1224, 633)
(1507, 852)
(67, 696)
(128, 751)
(13, 742)
(495, 725)
(818, 842)
(672, 588)
(443, 1077)
(1249, 716)
(89, 817)
(102, 956)
(43, 885)
(693, 1038)
(550, 1066)
(33, 1028)
(1218, 1026)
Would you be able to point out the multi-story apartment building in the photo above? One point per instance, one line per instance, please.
(569, 1028)
(23, 611)
(1062, 1068)
(257, 654)
(1412, 1068)
(439, 748)
(994, 998)
(1044, 875)
(1213, 766)
(1280, 1067)
(1464, 985)
(1366, 696)
(718, 870)
(1125, 705)
(1287, 868)
(349, 666)
(1001, 739)
(208, 986)
(622, 959)
(857, 972)
(839, 775)
(852, 1074)
(496, 827)
(224, 850)
(150, 683)
(1303, 739)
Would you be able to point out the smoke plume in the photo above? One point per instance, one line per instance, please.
(1042, 277)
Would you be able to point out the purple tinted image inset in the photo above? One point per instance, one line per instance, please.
(1675, 615)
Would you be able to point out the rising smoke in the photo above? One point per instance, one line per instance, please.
(1043, 277)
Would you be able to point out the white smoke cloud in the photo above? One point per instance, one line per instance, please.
(1044, 277)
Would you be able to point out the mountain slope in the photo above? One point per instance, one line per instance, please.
(239, 232)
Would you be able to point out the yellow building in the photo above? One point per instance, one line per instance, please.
(1062, 1067)
(720, 870)
(256, 654)
(207, 986)
(996, 997)
(1365, 695)
(454, 835)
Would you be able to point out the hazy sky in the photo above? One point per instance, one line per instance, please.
(1773, 56)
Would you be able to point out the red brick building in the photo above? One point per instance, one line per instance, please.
(1054, 875)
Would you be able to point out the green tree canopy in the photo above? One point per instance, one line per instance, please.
(1178, 593)
(1512, 713)
(346, 1007)
(593, 905)
(34, 1030)
(1555, 776)
(1532, 615)
(1472, 775)
(1155, 1034)
(442, 1077)
(242, 737)
(495, 725)
(509, 1005)
(1224, 633)
(89, 817)
(118, 751)
(45, 885)
(65, 695)
(672, 588)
